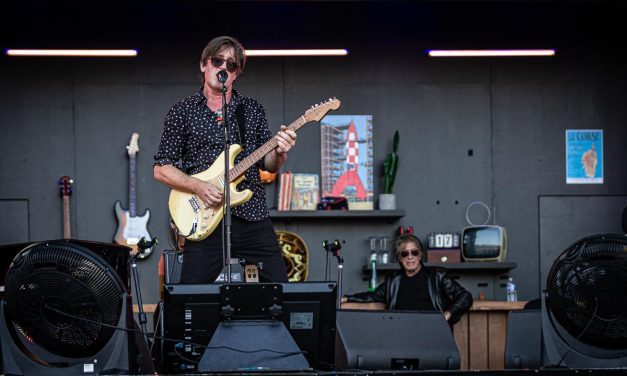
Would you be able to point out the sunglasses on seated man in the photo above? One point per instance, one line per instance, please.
(414, 252)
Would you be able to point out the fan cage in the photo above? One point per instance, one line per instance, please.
(59, 295)
(587, 291)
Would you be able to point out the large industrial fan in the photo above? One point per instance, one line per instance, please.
(64, 312)
(584, 313)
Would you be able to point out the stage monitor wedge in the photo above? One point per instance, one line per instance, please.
(370, 340)
(523, 344)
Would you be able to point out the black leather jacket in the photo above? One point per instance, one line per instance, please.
(445, 293)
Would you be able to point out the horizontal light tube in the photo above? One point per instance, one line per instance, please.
(332, 52)
(471, 53)
(113, 53)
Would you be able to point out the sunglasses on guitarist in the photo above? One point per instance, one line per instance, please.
(217, 62)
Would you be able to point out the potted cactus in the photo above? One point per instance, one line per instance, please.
(387, 199)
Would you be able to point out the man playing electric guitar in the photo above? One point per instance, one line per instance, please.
(193, 138)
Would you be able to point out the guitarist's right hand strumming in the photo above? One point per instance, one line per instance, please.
(207, 192)
(171, 176)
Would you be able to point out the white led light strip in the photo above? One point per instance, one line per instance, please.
(472, 53)
(319, 52)
(112, 53)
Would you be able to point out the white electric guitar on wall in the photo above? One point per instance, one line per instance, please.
(132, 227)
(193, 219)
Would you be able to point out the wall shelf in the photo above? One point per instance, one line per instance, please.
(300, 215)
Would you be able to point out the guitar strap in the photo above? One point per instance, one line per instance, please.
(241, 123)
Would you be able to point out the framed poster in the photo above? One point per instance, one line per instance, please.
(584, 156)
(346, 159)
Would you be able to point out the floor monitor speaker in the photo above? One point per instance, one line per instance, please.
(395, 340)
(523, 343)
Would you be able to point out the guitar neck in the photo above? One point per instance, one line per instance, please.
(131, 185)
(240, 168)
(67, 227)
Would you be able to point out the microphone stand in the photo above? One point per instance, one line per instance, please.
(142, 245)
(327, 247)
(334, 248)
(222, 77)
(340, 270)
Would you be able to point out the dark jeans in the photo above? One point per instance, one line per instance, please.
(253, 241)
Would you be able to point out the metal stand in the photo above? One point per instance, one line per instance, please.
(141, 246)
(325, 244)
(226, 229)
(334, 248)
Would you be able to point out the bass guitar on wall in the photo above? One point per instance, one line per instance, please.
(132, 227)
(193, 219)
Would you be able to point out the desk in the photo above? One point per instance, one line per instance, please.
(479, 334)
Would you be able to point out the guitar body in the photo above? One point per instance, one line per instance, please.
(195, 221)
(131, 229)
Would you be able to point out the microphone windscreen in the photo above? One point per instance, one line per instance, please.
(222, 76)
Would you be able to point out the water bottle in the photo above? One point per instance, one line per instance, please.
(372, 285)
(512, 292)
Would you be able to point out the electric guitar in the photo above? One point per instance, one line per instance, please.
(65, 190)
(193, 219)
(132, 227)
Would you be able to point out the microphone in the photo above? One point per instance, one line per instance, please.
(332, 247)
(222, 76)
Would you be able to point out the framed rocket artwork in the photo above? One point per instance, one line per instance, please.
(347, 159)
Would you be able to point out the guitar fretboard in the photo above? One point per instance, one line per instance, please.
(67, 228)
(131, 186)
(240, 168)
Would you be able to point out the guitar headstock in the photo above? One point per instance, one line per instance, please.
(133, 145)
(65, 186)
(317, 112)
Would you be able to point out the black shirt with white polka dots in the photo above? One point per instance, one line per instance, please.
(192, 140)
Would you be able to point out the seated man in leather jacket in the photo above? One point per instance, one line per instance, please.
(417, 287)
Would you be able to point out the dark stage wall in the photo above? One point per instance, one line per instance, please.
(72, 116)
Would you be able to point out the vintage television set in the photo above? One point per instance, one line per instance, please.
(191, 314)
(484, 243)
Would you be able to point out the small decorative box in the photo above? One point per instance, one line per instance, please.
(443, 255)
